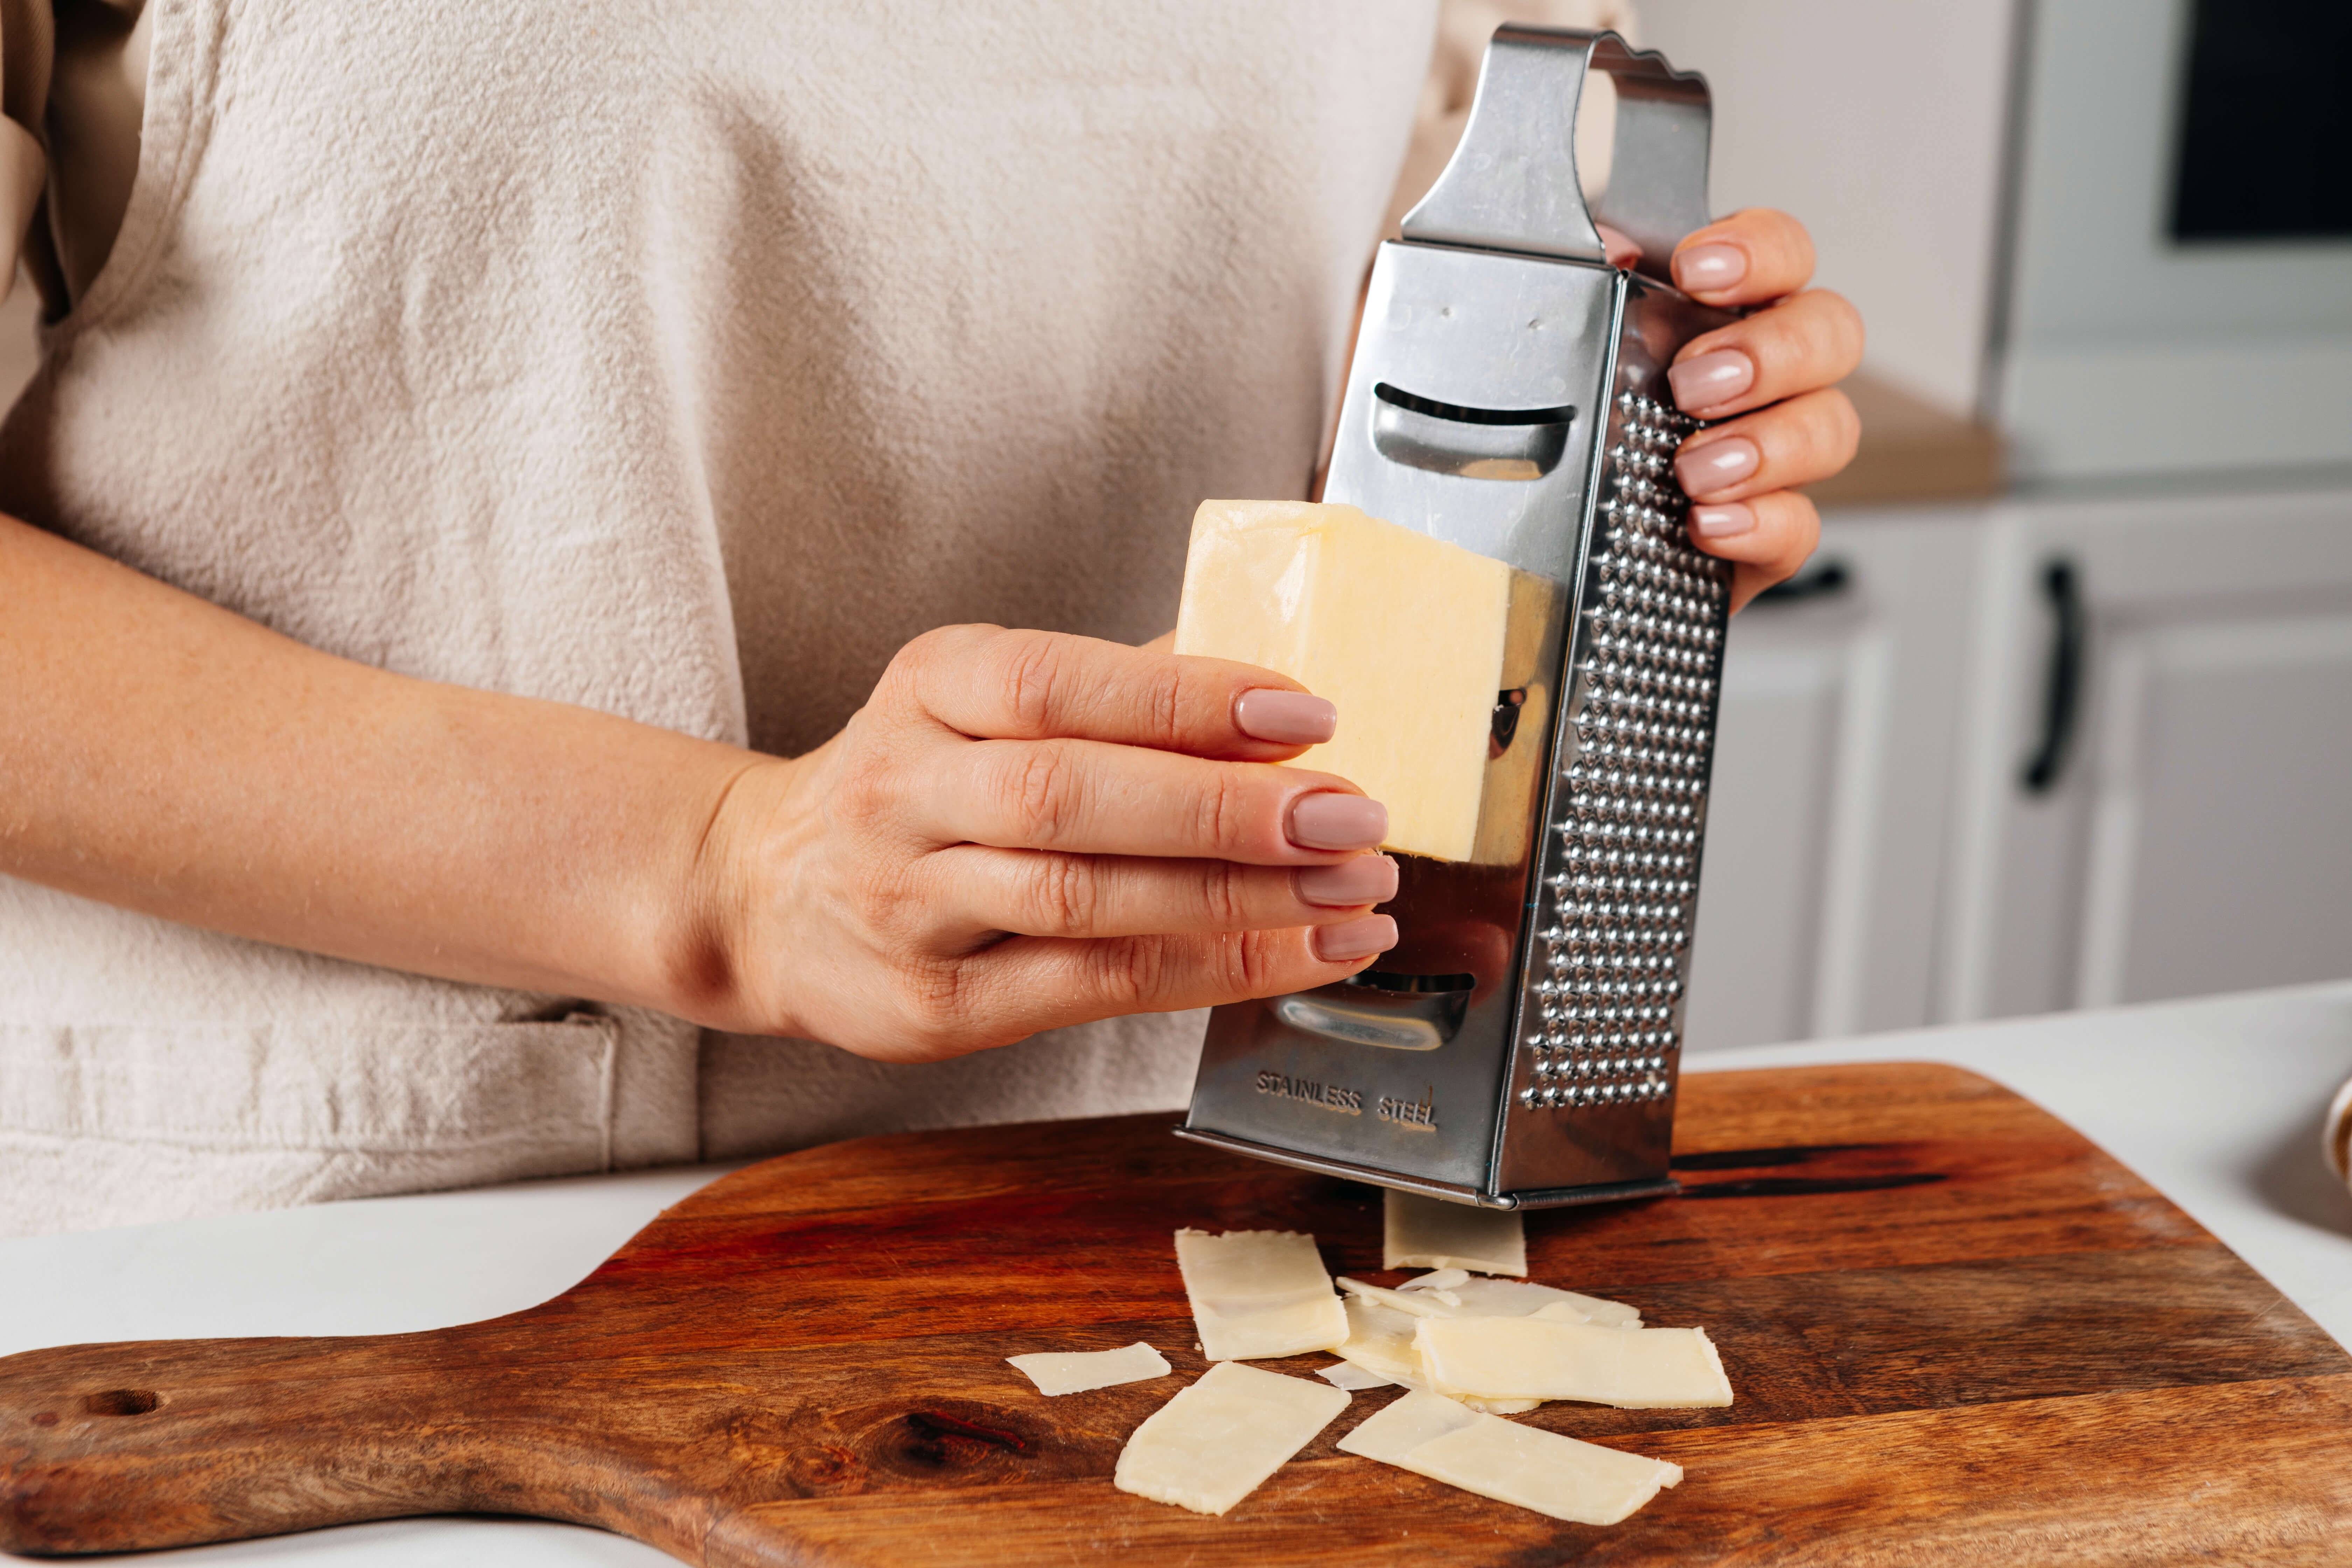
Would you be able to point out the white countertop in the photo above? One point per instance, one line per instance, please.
(2217, 1102)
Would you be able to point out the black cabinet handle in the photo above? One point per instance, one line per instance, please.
(2061, 693)
(1825, 581)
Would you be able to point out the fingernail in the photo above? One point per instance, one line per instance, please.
(1717, 466)
(1712, 378)
(1365, 879)
(1728, 520)
(1329, 820)
(1284, 718)
(1351, 940)
(1703, 268)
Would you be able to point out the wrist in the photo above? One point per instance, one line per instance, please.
(721, 965)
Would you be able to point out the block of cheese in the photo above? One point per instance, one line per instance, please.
(1497, 1299)
(1515, 772)
(1403, 632)
(1556, 1476)
(1211, 1446)
(1259, 1293)
(1075, 1372)
(1541, 1358)
(1429, 1233)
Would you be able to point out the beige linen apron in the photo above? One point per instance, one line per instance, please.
(683, 360)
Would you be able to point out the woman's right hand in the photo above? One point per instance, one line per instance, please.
(1023, 830)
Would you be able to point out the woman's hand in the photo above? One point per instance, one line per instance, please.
(1023, 830)
(1768, 385)
(1019, 830)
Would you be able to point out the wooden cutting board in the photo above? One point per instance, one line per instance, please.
(1957, 1331)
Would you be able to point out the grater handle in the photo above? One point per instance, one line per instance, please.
(1512, 182)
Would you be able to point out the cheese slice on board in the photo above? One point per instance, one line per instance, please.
(1404, 633)
(1428, 1233)
(1555, 1476)
(1538, 1358)
(1258, 1293)
(1352, 1378)
(1497, 1299)
(1380, 1344)
(1212, 1444)
(1075, 1372)
(1441, 1280)
(1379, 1340)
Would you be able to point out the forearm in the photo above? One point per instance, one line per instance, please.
(162, 753)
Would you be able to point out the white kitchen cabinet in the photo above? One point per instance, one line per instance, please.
(1834, 753)
(2197, 834)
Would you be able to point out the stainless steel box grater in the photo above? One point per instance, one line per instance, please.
(1519, 1046)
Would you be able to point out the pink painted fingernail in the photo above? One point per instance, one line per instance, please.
(1726, 520)
(1351, 940)
(1703, 268)
(1365, 879)
(1329, 820)
(1712, 378)
(1284, 718)
(1717, 466)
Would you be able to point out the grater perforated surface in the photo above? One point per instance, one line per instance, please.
(1600, 1014)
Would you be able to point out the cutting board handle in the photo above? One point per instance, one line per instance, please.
(137, 1445)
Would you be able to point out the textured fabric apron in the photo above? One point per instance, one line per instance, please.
(682, 360)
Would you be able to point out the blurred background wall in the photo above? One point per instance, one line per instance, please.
(1881, 126)
(2060, 714)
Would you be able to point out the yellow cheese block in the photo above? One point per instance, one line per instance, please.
(1405, 633)
(1506, 820)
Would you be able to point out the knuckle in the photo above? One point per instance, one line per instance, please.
(1025, 671)
(922, 660)
(1166, 701)
(1128, 973)
(1253, 963)
(1797, 528)
(889, 912)
(1836, 328)
(1795, 237)
(1225, 896)
(934, 1001)
(866, 791)
(1223, 811)
(1842, 426)
(1857, 332)
(1815, 335)
(1837, 308)
(1063, 898)
(1805, 520)
(929, 650)
(1041, 795)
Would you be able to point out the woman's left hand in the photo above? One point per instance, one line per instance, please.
(1768, 382)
